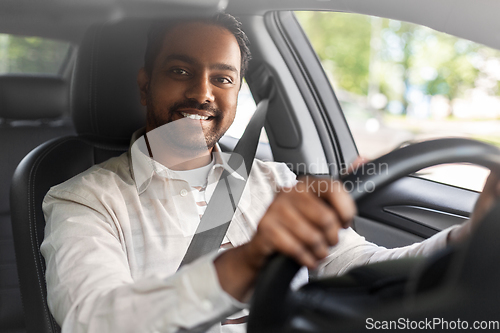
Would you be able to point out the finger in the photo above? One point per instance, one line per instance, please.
(311, 237)
(314, 210)
(320, 215)
(491, 182)
(311, 204)
(490, 191)
(333, 193)
(486, 199)
(492, 185)
(358, 162)
(284, 242)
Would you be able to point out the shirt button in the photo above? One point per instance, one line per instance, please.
(183, 193)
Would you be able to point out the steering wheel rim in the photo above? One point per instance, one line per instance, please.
(271, 313)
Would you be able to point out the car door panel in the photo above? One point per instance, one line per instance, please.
(383, 234)
(418, 206)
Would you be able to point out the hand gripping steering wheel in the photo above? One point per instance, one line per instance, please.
(274, 305)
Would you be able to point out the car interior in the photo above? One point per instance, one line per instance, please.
(35, 110)
(56, 126)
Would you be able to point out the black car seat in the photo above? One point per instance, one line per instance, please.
(106, 111)
(33, 109)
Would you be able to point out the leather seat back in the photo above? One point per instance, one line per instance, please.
(106, 111)
(33, 109)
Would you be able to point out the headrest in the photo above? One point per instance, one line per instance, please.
(26, 97)
(104, 97)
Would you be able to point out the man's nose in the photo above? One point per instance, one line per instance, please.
(201, 90)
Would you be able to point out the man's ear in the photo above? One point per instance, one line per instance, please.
(143, 83)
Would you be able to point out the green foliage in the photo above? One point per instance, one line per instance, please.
(343, 45)
(31, 55)
(408, 57)
(454, 71)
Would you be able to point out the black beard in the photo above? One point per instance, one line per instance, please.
(179, 138)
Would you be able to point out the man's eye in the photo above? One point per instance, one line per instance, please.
(223, 80)
(179, 71)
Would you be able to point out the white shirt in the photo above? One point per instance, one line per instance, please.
(197, 180)
(116, 234)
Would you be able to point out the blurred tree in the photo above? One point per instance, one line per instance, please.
(411, 57)
(407, 35)
(342, 43)
(32, 55)
(442, 64)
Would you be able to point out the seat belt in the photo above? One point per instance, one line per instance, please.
(222, 206)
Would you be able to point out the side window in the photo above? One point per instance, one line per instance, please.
(399, 83)
(32, 55)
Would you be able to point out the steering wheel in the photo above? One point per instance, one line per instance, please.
(274, 303)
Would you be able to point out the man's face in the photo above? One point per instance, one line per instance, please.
(196, 75)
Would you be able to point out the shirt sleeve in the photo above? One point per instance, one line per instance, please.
(354, 250)
(90, 287)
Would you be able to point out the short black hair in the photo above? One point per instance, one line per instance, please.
(158, 30)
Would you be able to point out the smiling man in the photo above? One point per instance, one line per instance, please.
(193, 79)
(117, 233)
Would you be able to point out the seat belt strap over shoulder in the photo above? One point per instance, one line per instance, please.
(222, 206)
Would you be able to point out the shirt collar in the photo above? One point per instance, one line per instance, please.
(143, 167)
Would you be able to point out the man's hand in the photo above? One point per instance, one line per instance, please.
(302, 222)
(490, 194)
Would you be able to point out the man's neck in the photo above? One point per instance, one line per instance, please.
(177, 158)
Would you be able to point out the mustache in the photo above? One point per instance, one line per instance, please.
(194, 104)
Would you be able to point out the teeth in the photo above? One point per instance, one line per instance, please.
(193, 116)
